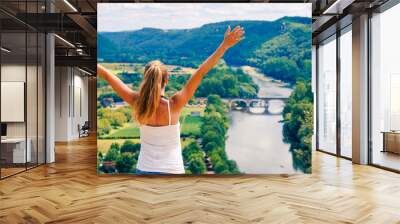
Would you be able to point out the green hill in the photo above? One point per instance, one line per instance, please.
(280, 48)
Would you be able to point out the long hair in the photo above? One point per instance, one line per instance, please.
(150, 89)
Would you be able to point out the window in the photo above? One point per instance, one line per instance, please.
(346, 92)
(385, 89)
(327, 95)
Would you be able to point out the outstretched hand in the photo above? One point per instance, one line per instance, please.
(233, 37)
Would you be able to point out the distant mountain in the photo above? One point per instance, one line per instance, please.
(280, 48)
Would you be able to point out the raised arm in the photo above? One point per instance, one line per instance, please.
(126, 93)
(231, 38)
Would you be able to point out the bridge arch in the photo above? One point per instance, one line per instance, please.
(238, 104)
(275, 106)
(257, 103)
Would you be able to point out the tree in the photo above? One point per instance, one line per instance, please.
(111, 95)
(210, 146)
(125, 162)
(226, 82)
(194, 158)
(100, 155)
(298, 125)
(233, 167)
(112, 153)
(220, 167)
(213, 130)
(212, 136)
(230, 84)
(117, 119)
(103, 127)
(192, 148)
(127, 111)
(129, 146)
(197, 164)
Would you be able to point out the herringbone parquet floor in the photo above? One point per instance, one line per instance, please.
(69, 191)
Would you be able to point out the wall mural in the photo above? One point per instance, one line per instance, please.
(252, 112)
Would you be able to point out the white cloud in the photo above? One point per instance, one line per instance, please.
(133, 16)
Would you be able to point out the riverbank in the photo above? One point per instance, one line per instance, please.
(268, 87)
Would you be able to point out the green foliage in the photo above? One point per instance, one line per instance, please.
(176, 83)
(130, 78)
(127, 111)
(129, 146)
(298, 125)
(190, 126)
(288, 55)
(267, 45)
(212, 136)
(111, 95)
(113, 153)
(125, 162)
(101, 82)
(103, 127)
(119, 159)
(213, 132)
(194, 158)
(129, 132)
(116, 118)
(227, 83)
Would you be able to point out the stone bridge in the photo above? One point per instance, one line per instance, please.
(260, 105)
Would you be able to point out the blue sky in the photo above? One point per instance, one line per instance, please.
(134, 16)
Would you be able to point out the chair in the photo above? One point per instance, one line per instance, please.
(84, 130)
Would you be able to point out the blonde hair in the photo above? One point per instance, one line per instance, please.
(146, 105)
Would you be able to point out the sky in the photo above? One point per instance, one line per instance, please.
(134, 16)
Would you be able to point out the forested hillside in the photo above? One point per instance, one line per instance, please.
(280, 48)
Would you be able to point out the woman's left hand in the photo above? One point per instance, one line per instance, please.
(233, 37)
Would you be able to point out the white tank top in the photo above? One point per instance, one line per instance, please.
(160, 148)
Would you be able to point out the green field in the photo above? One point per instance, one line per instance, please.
(131, 132)
(191, 125)
(128, 131)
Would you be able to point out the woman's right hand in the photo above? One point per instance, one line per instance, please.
(232, 37)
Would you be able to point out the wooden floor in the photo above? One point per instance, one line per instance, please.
(69, 191)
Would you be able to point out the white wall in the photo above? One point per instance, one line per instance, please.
(14, 73)
(71, 102)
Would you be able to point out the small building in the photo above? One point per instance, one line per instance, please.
(195, 113)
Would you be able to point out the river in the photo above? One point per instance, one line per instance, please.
(255, 140)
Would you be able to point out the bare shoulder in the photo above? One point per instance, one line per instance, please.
(134, 98)
(176, 102)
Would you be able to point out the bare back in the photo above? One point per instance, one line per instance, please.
(161, 117)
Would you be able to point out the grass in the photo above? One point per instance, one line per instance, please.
(128, 131)
(191, 125)
(131, 132)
